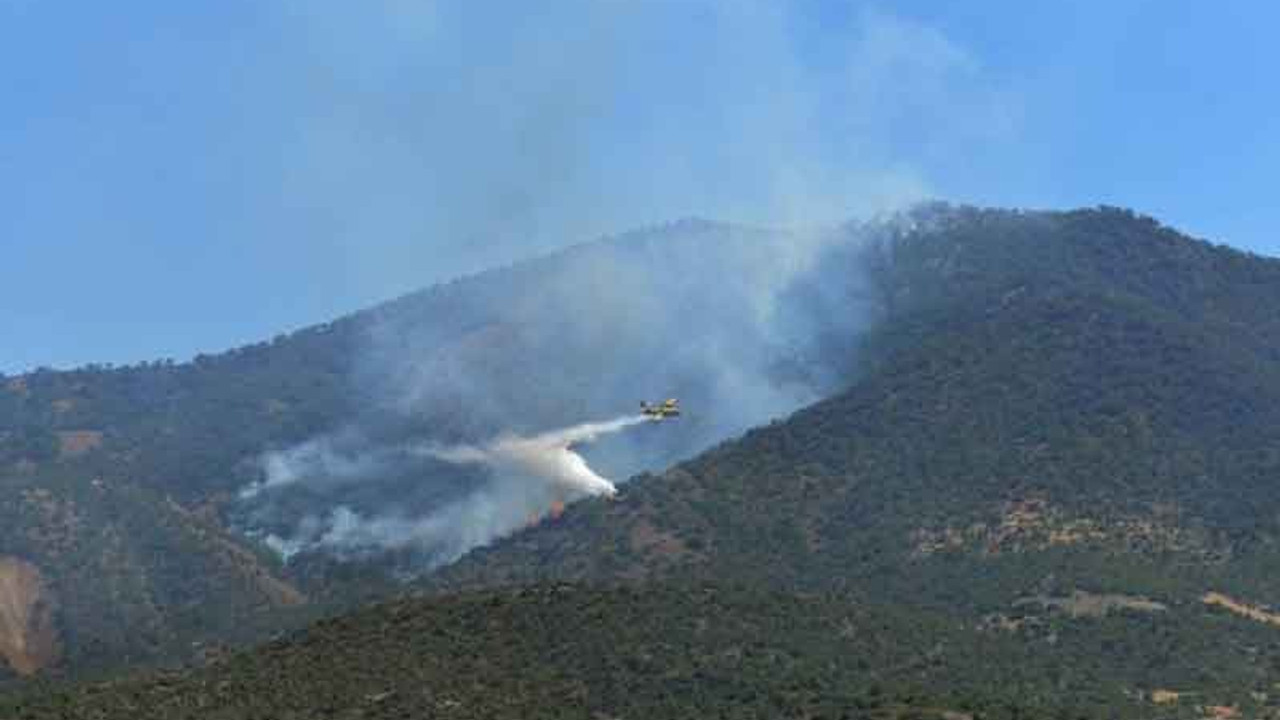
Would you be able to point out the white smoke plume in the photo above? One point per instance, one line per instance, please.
(532, 476)
(319, 457)
(456, 141)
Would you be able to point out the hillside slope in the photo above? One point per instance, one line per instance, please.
(1061, 406)
(667, 651)
(1023, 363)
(585, 334)
(95, 575)
(1048, 407)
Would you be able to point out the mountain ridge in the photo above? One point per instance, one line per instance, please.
(1042, 430)
(1044, 351)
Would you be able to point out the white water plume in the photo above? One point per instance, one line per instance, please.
(532, 476)
(549, 455)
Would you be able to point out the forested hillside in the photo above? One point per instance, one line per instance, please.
(1048, 441)
(673, 651)
(1063, 411)
(102, 452)
(1002, 381)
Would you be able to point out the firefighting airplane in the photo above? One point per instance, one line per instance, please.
(670, 408)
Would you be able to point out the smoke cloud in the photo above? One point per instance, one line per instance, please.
(436, 139)
(337, 154)
(452, 137)
(531, 477)
(342, 457)
(472, 392)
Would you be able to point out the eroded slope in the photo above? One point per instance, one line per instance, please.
(28, 635)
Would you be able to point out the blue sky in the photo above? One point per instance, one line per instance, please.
(186, 177)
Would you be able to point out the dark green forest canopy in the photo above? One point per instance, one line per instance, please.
(663, 651)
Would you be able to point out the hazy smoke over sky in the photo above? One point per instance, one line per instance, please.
(444, 137)
(330, 155)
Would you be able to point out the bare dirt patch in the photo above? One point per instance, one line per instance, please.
(28, 638)
(646, 537)
(1033, 524)
(1253, 612)
(1086, 604)
(72, 443)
